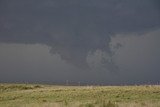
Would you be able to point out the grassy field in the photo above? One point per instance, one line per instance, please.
(30, 95)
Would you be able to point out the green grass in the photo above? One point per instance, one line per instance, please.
(34, 95)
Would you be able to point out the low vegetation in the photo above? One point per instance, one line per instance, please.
(28, 95)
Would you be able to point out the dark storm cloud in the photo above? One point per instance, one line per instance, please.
(76, 29)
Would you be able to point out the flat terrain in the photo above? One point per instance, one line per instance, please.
(35, 95)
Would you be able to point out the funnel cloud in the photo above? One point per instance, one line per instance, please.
(90, 41)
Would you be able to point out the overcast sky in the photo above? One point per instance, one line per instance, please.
(87, 41)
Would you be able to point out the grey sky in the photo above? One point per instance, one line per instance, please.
(92, 41)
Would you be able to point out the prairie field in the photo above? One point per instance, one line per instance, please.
(39, 95)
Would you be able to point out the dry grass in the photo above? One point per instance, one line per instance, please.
(26, 95)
